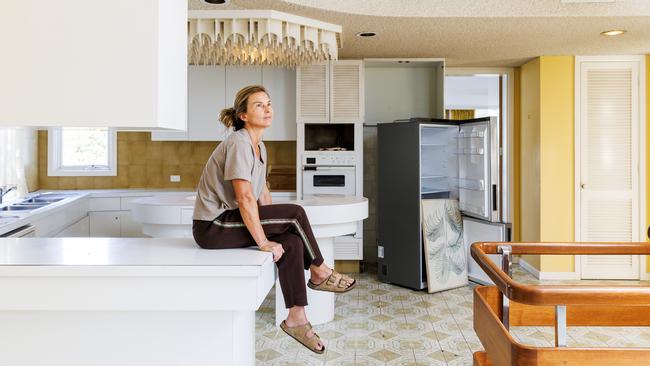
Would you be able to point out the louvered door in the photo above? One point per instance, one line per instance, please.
(312, 93)
(608, 158)
(346, 91)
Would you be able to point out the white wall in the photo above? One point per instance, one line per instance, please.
(399, 92)
(472, 92)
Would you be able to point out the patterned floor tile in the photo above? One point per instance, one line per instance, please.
(381, 324)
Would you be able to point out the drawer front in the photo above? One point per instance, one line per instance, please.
(104, 204)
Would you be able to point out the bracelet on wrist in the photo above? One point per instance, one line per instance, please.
(264, 243)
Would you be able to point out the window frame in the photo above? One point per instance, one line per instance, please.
(54, 150)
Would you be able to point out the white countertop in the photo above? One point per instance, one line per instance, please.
(15, 219)
(121, 252)
(119, 257)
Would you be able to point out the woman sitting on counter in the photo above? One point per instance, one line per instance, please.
(233, 210)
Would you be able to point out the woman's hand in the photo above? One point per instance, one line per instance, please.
(275, 248)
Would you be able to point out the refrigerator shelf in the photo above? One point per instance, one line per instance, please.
(469, 154)
(433, 176)
(471, 189)
(469, 137)
(433, 190)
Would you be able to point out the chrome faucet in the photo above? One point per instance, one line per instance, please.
(6, 189)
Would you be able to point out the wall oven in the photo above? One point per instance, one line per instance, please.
(338, 180)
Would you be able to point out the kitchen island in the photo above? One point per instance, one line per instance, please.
(329, 215)
(128, 301)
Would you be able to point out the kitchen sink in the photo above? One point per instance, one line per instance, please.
(23, 206)
(20, 208)
(36, 202)
(39, 199)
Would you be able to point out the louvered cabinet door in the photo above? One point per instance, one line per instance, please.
(609, 162)
(346, 91)
(312, 93)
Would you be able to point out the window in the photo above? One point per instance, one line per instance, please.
(79, 151)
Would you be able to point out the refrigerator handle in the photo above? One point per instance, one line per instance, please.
(494, 197)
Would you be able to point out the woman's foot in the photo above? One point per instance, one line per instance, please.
(305, 336)
(324, 278)
(298, 318)
(320, 273)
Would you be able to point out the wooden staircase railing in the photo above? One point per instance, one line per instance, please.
(510, 303)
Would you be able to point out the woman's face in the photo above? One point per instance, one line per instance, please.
(259, 112)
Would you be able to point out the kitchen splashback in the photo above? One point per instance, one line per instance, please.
(143, 163)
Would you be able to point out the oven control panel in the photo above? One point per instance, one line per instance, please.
(331, 160)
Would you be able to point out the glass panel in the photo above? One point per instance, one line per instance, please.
(474, 167)
(84, 146)
(439, 165)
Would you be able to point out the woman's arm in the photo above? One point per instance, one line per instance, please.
(265, 197)
(250, 215)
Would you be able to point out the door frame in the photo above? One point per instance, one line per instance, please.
(641, 103)
(507, 185)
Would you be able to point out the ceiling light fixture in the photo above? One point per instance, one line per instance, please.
(366, 34)
(216, 2)
(259, 37)
(613, 32)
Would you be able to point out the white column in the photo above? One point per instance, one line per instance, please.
(321, 304)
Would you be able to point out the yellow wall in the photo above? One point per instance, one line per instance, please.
(556, 157)
(142, 163)
(546, 162)
(529, 162)
(529, 202)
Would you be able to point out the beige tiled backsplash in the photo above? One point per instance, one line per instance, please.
(142, 163)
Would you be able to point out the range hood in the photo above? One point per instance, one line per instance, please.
(117, 63)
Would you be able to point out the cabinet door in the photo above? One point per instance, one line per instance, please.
(78, 229)
(206, 98)
(312, 93)
(346, 91)
(281, 85)
(130, 228)
(105, 224)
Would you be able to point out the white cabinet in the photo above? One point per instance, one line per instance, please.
(281, 85)
(330, 92)
(105, 224)
(130, 228)
(111, 217)
(118, 63)
(51, 223)
(78, 229)
(205, 101)
(213, 88)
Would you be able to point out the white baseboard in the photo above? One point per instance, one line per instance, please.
(548, 276)
(556, 276)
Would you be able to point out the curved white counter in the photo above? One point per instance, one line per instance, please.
(330, 216)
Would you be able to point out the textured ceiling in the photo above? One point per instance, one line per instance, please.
(471, 32)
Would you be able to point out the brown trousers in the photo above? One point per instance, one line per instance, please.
(286, 224)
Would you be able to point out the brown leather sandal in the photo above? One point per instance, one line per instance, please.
(336, 282)
(299, 333)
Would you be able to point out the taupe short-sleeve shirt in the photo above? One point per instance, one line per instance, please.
(234, 158)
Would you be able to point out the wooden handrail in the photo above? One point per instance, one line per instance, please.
(562, 294)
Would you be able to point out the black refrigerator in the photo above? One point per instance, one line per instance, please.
(436, 158)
